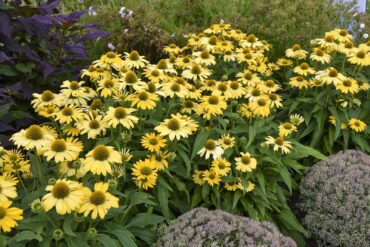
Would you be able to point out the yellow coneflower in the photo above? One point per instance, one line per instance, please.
(93, 125)
(108, 87)
(47, 98)
(341, 35)
(196, 73)
(188, 106)
(112, 58)
(283, 62)
(268, 86)
(348, 85)
(212, 105)
(246, 111)
(9, 216)
(320, 55)
(359, 57)
(99, 160)
(160, 159)
(98, 202)
(184, 62)
(333, 121)
(14, 161)
(175, 88)
(296, 119)
(227, 141)
(63, 149)
(143, 100)
(229, 56)
(261, 106)
(204, 58)
(72, 168)
(296, 52)
(153, 142)
(174, 128)
(33, 137)
(235, 90)
(328, 42)
(154, 75)
(211, 147)
(279, 143)
(304, 69)
(222, 166)
(172, 49)
(121, 115)
(198, 177)
(245, 163)
(134, 60)
(72, 88)
(299, 82)
(144, 174)
(8, 187)
(47, 111)
(330, 76)
(357, 125)
(212, 177)
(65, 195)
(286, 129)
(275, 100)
(233, 185)
(68, 114)
(346, 48)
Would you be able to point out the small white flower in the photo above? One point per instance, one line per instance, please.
(111, 46)
(172, 35)
(125, 30)
(362, 25)
(365, 36)
(129, 13)
(92, 11)
(222, 21)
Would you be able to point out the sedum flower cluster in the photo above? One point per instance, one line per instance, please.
(201, 227)
(335, 198)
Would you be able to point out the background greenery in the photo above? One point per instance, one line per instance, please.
(155, 23)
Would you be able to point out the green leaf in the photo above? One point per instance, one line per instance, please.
(237, 195)
(284, 173)
(145, 219)
(252, 131)
(308, 151)
(163, 200)
(187, 161)
(107, 241)
(25, 67)
(290, 221)
(205, 191)
(357, 139)
(67, 226)
(261, 181)
(197, 196)
(7, 70)
(199, 142)
(27, 235)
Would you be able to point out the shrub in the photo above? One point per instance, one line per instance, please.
(329, 86)
(202, 227)
(203, 127)
(39, 47)
(335, 198)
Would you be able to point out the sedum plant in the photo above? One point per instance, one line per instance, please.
(201, 227)
(334, 196)
(329, 87)
(132, 143)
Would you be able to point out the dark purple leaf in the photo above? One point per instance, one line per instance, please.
(3, 57)
(5, 25)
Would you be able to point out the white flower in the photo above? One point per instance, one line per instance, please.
(129, 13)
(92, 11)
(365, 36)
(111, 46)
(362, 25)
(125, 30)
(211, 147)
(222, 21)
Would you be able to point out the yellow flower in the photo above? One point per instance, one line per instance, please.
(93, 125)
(211, 147)
(341, 35)
(222, 166)
(211, 177)
(261, 106)
(299, 82)
(121, 115)
(33, 137)
(359, 57)
(47, 98)
(211, 106)
(144, 174)
(8, 187)
(275, 100)
(69, 114)
(320, 55)
(296, 119)
(134, 60)
(188, 106)
(348, 85)
(108, 87)
(227, 141)
(304, 69)
(175, 88)
(250, 186)
(198, 177)
(153, 142)
(248, 78)
(172, 49)
(286, 129)
(63, 149)
(98, 161)
(330, 76)
(159, 159)
(235, 90)
(283, 62)
(296, 52)
(279, 143)
(233, 185)
(111, 58)
(143, 100)
(174, 128)
(64, 195)
(196, 73)
(98, 202)
(72, 89)
(14, 161)
(245, 163)
(204, 58)
(72, 168)
(47, 111)
(9, 216)
(357, 125)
